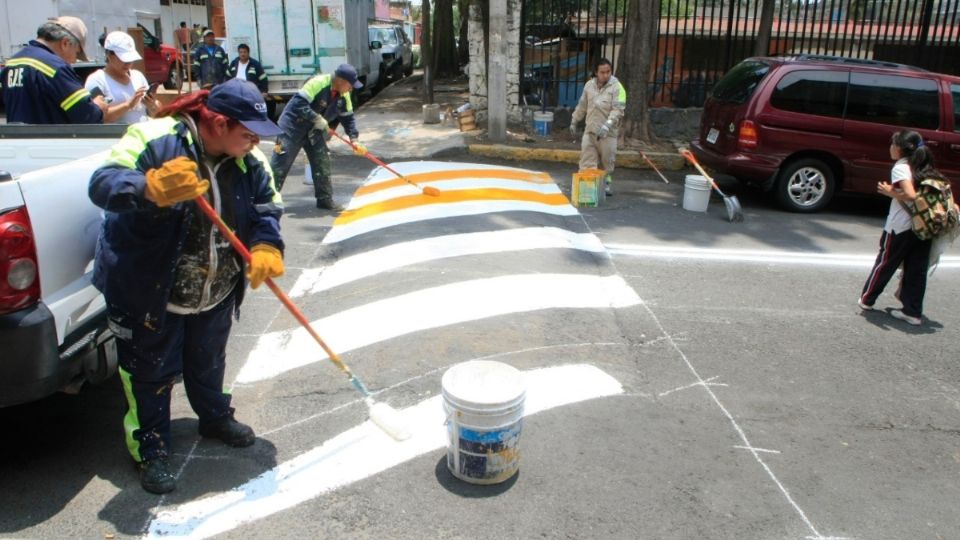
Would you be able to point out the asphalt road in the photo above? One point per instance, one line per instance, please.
(750, 399)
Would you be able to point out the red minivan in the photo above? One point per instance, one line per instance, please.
(806, 127)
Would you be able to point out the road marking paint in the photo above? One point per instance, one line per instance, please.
(403, 254)
(698, 383)
(756, 256)
(440, 211)
(404, 189)
(449, 197)
(361, 452)
(754, 449)
(382, 179)
(436, 307)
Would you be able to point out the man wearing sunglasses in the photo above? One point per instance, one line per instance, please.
(40, 87)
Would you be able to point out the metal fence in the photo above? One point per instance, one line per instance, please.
(699, 40)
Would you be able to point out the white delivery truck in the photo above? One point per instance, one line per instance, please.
(296, 39)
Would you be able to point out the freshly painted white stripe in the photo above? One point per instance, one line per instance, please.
(361, 452)
(768, 257)
(441, 247)
(405, 168)
(440, 211)
(451, 185)
(436, 307)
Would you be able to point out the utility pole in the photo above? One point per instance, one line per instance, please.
(497, 73)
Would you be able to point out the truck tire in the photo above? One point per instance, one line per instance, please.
(174, 78)
(408, 69)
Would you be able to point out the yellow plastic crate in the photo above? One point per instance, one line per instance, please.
(587, 187)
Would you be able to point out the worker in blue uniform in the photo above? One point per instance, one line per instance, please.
(40, 87)
(210, 63)
(324, 101)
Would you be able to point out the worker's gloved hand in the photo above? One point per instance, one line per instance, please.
(573, 128)
(358, 148)
(604, 130)
(175, 181)
(320, 124)
(265, 261)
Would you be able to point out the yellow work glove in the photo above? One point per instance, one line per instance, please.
(265, 261)
(175, 181)
(359, 149)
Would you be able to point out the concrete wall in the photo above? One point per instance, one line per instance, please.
(681, 125)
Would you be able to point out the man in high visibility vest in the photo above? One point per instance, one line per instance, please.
(601, 105)
(324, 101)
(40, 87)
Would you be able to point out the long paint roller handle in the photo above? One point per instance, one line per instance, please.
(282, 296)
(654, 167)
(429, 190)
(693, 160)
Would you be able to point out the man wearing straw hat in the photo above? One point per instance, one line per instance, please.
(601, 105)
(40, 87)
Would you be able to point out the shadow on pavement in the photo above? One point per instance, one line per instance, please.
(456, 486)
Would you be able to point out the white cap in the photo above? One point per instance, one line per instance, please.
(121, 44)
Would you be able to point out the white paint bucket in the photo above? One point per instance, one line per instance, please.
(431, 113)
(483, 401)
(542, 123)
(696, 193)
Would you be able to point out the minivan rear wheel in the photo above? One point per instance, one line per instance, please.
(805, 185)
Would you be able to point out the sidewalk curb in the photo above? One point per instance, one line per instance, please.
(630, 159)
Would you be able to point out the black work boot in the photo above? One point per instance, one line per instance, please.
(229, 431)
(329, 204)
(155, 476)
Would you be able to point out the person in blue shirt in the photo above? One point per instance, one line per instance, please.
(210, 63)
(40, 87)
(322, 102)
(245, 68)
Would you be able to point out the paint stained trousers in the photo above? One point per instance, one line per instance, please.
(598, 153)
(299, 133)
(914, 254)
(151, 363)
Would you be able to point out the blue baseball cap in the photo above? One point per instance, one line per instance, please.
(349, 74)
(241, 100)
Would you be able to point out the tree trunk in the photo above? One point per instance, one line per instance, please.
(425, 52)
(463, 50)
(762, 47)
(633, 70)
(444, 48)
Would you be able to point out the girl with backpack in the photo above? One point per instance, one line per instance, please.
(898, 243)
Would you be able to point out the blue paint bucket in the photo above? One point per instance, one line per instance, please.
(542, 123)
(483, 402)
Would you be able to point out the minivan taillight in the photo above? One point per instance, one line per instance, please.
(19, 279)
(747, 139)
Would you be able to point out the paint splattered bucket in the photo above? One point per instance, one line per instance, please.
(542, 123)
(696, 193)
(586, 189)
(483, 402)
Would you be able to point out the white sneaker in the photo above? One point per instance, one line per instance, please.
(865, 307)
(899, 314)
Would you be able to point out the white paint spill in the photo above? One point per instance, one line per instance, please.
(463, 184)
(361, 452)
(278, 352)
(427, 212)
(757, 256)
(440, 247)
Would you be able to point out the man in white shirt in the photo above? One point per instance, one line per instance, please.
(248, 69)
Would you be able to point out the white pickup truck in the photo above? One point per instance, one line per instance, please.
(53, 333)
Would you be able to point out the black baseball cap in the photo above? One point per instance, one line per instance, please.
(349, 74)
(241, 100)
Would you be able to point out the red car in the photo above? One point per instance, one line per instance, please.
(807, 127)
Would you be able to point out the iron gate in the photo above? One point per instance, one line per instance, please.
(699, 40)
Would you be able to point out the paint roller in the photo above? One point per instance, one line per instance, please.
(428, 190)
(384, 416)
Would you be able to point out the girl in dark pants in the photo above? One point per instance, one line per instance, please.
(898, 244)
(171, 282)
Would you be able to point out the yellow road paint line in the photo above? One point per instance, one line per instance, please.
(469, 195)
